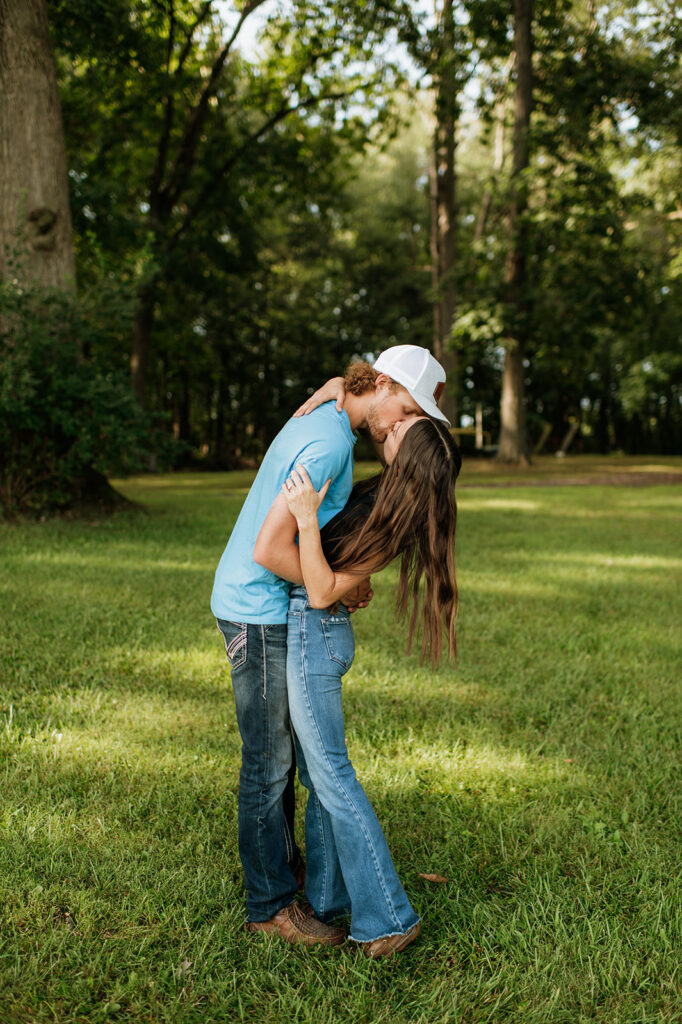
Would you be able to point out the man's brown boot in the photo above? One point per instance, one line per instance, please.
(296, 924)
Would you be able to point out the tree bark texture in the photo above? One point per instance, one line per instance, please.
(512, 446)
(443, 207)
(34, 201)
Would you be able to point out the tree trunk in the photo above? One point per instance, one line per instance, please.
(35, 219)
(512, 446)
(443, 208)
(513, 433)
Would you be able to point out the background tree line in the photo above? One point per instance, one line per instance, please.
(498, 181)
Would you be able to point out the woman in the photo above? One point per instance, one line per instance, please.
(410, 510)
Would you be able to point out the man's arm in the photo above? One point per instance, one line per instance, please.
(276, 549)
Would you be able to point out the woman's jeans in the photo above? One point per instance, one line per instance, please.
(269, 855)
(349, 864)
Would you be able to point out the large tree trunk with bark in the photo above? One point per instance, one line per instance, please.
(443, 207)
(512, 446)
(36, 237)
(35, 220)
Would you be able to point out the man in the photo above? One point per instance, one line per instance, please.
(250, 601)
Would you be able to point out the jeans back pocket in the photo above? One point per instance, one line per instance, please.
(339, 638)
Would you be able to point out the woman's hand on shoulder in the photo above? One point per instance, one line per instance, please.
(301, 497)
(334, 389)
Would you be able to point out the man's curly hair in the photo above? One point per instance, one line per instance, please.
(360, 378)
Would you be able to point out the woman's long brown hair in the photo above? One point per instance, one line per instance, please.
(414, 515)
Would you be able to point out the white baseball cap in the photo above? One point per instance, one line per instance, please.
(420, 374)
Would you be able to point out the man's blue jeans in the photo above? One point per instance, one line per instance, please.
(352, 864)
(268, 851)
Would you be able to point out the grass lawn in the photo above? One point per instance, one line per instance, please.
(540, 778)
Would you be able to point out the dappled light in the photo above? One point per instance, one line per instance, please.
(504, 504)
(439, 245)
(608, 560)
(536, 776)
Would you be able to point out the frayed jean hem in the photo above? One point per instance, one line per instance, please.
(386, 935)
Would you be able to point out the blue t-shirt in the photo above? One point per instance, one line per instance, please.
(322, 442)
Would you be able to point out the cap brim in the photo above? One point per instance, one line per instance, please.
(428, 406)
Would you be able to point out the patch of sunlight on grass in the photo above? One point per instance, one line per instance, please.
(104, 561)
(448, 769)
(494, 584)
(145, 734)
(506, 504)
(649, 467)
(607, 560)
(232, 483)
(616, 509)
(189, 663)
(572, 465)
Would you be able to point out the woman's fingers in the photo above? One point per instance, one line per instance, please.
(307, 483)
(298, 483)
(294, 485)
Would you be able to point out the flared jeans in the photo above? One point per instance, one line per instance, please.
(349, 866)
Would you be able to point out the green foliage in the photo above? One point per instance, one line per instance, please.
(220, 201)
(64, 421)
(601, 233)
(282, 236)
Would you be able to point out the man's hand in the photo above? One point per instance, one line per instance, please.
(358, 597)
(333, 389)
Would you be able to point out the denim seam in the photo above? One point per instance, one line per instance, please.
(323, 897)
(265, 664)
(289, 839)
(379, 874)
(261, 852)
(321, 830)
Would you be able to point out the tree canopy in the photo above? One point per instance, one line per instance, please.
(247, 218)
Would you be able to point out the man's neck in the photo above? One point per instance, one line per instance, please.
(356, 408)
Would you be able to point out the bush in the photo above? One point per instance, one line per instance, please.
(65, 424)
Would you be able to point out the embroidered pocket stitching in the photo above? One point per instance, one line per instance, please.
(235, 644)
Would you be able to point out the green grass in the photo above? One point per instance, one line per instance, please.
(541, 777)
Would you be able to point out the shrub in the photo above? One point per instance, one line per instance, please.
(65, 423)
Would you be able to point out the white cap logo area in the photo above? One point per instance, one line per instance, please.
(420, 374)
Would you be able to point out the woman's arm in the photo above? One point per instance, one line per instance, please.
(333, 389)
(325, 587)
(276, 549)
